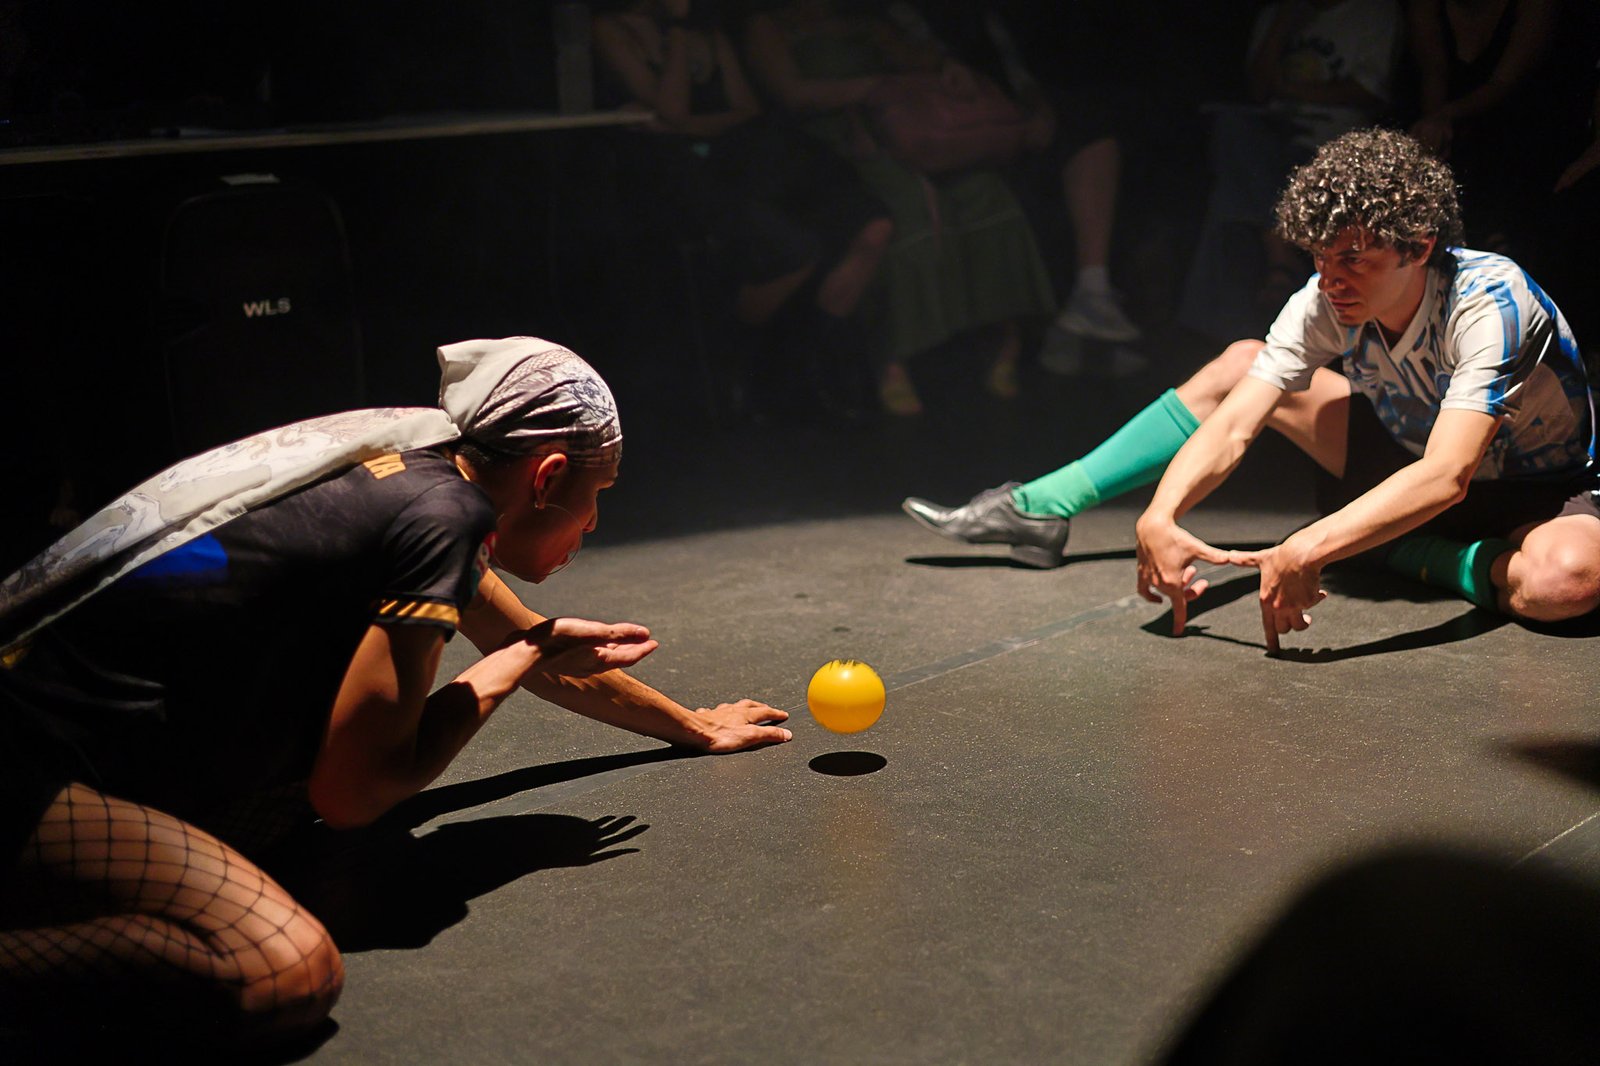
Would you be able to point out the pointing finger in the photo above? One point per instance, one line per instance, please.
(1180, 612)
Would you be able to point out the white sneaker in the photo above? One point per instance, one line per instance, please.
(1098, 315)
(1063, 354)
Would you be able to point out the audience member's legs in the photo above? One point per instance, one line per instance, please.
(115, 908)
(1089, 184)
(1089, 187)
(1250, 156)
(843, 286)
(1001, 380)
(758, 301)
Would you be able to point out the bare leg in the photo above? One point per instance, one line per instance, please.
(1002, 377)
(113, 904)
(759, 302)
(1554, 574)
(1315, 420)
(899, 396)
(844, 285)
(1089, 185)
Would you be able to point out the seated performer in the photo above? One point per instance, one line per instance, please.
(1462, 412)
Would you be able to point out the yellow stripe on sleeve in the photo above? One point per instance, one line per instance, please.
(418, 611)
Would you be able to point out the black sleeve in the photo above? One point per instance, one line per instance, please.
(434, 553)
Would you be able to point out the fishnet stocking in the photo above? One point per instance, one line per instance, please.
(113, 899)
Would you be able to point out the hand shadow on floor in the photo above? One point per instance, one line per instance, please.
(1361, 584)
(966, 562)
(1577, 758)
(1005, 562)
(383, 887)
(431, 803)
(387, 886)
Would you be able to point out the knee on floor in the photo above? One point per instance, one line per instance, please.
(1561, 582)
(291, 979)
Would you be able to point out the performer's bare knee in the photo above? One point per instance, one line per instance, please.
(1558, 581)
(1206, 389)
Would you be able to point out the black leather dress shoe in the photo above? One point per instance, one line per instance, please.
(991, 517)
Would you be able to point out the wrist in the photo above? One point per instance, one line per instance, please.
(696, 733)
(1302, 551)
(497, 674)
(1155, 521)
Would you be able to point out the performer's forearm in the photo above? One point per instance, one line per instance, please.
(1395, 506)
(618, 699)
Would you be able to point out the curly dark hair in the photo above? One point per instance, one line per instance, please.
(1381, 180)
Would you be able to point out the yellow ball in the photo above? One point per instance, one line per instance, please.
(845, 696)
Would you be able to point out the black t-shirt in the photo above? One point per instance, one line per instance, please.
(209, 672)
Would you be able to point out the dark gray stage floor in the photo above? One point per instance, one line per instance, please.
(1078, 822)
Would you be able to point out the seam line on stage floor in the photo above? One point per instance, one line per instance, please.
(1553, 841)
(1006, 645)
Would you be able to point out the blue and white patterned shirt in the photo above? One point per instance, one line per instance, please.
(1487, 339)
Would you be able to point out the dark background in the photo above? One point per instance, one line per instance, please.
(537, 233)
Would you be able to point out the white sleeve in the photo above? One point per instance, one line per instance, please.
(1304, 337)
(1492, 363)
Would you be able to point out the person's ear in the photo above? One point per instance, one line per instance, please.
(546, 474)
(1426, 252)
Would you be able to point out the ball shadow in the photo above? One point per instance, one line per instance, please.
(848, 763)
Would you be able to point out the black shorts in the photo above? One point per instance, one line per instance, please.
(1491, 509)
(34, 768)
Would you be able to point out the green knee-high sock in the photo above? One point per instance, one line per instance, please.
(1449, 564)
(1134, 455)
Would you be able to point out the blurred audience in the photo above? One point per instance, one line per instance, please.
(1497, 82)
(963, 255)
(1316, 69)
(804, 236)
(1569, 221)
(1071, 139)
(1506, 92)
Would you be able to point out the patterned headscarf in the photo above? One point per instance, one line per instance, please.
(512, 395)
(545, 395)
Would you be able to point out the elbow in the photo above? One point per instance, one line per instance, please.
(1453, 484)
(345, 807)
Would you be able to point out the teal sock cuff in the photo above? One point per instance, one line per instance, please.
(1477, 567)
(1462, 568)
(1064, 493)
(1133, 456)
(1182, 417)
(1136, 454)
